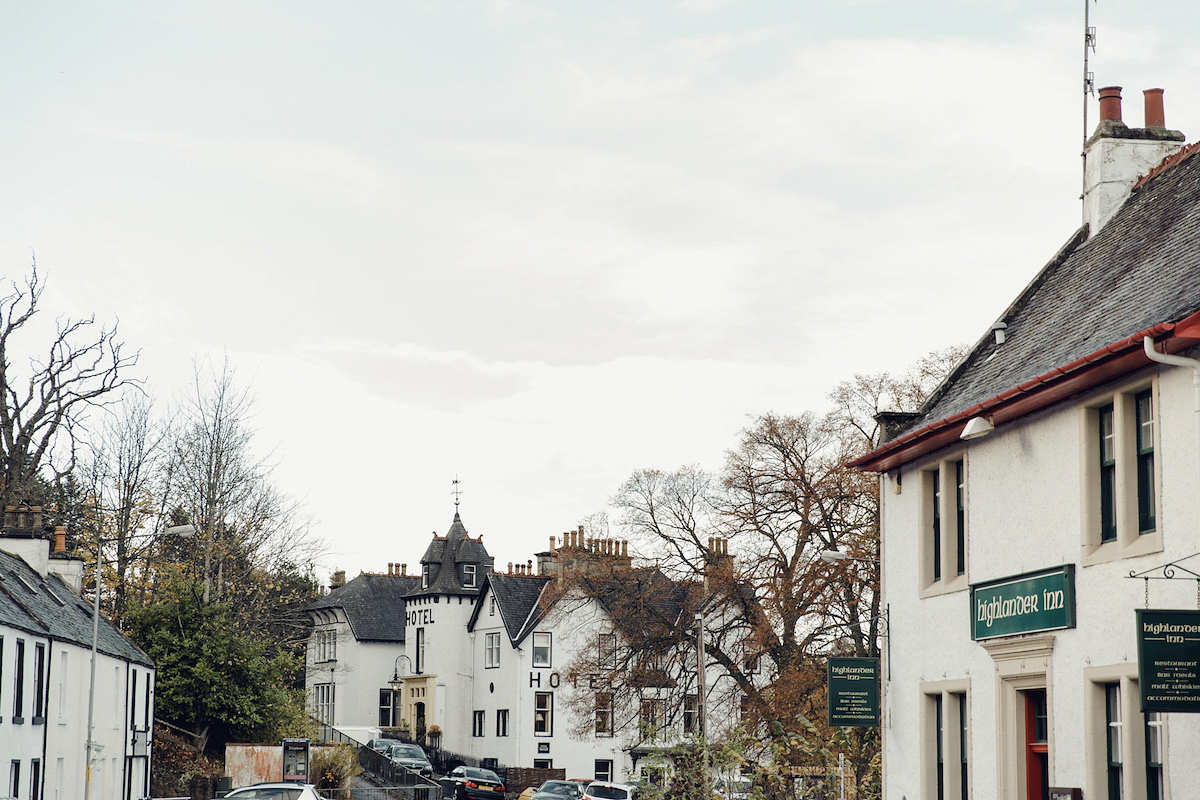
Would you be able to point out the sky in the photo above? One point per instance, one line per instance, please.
(540, 245)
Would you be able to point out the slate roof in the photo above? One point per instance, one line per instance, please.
(46, 606)
(517, 601)
(445, 553)
(374, 605)
(1140, 270)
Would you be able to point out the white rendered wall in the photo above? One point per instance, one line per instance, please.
(1024, 513)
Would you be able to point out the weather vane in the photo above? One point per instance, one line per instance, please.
(457, 492)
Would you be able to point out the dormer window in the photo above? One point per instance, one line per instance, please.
(425, 576)
(469, 576)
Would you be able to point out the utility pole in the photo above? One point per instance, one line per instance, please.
(701, 706)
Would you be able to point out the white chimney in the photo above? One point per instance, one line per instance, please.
(1116, 155)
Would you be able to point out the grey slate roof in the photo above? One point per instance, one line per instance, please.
(45, 606)
(374, 605)
(1141, 269)
(517, 600)
(445, 554)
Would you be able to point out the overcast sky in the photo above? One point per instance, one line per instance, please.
(539, 245)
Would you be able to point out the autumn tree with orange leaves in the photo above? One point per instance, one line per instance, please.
(777, 610)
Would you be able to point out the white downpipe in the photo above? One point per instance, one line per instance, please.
(1179, 361)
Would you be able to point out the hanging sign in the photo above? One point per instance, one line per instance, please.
(853, 686)
(1169, 659)
(1035, 601)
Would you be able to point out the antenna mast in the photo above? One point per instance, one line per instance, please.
(1089, 82)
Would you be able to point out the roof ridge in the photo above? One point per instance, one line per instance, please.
(1173, 160)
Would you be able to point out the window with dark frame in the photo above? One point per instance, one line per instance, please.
(963, 748)
(606, 651)
(502, 722)
(937, 523)
(604, 714)
(1112, 722)
(39, 684)
(1143, 404)
(941, 754)
(960, 516)
(1155, 784)
(690, 703)
(19, 683)
(35, 779)
(1108, 474)
(478, 722)
(14, 778)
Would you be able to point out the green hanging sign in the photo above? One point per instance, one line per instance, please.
(1169, 659)
(853, 691)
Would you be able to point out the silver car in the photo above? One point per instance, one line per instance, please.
(276, 791)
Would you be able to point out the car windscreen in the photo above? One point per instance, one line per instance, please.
(482, 775)
(559, 787)
(608, 792)
(272, 793)
(408, 751)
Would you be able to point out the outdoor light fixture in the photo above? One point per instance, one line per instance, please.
(834, 556)
(396, 680)
(977, 427)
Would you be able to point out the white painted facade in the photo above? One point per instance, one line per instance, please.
(44, 688)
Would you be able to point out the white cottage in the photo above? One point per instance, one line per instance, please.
(45, 661)
(1060, 458)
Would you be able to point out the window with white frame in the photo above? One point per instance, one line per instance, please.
(945, 743)
(469, 576)
(420, 667)
(425, 576)
(323, 702)
(543, 714)
(326, 644)
(603, 770)
(541, 650)
(691, 707)
(651, 717)
(492, 605)
(491, 650)
(943, 541)
(478, 721)
(1120, 477)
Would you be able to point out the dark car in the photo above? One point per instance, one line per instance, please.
(410, 756)
(558, 790)
(472, 783)
(382, 745)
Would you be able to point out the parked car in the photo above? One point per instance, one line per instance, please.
(412, 757)
(471, 783)
(276, 791)
(734, 787)
(382, 745)
(558, 790)
(603, 790)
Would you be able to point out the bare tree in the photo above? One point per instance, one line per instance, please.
(45, 401)
(122, 473)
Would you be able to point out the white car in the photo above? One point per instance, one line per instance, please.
(603, 790)
(276, 791)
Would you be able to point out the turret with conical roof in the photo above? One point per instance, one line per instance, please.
(455, 563)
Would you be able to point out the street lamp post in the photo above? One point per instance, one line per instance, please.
(397, 682)
(177, 530)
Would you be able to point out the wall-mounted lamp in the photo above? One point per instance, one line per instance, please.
(977, 427)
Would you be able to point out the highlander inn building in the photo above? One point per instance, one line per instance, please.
(1040, 511)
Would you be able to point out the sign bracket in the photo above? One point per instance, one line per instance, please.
(1168, 571)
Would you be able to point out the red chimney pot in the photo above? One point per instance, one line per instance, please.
(1110, 103)
(1155, 118)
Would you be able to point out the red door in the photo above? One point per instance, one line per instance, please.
(1037, 748)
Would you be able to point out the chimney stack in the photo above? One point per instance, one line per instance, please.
(1115, 155)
